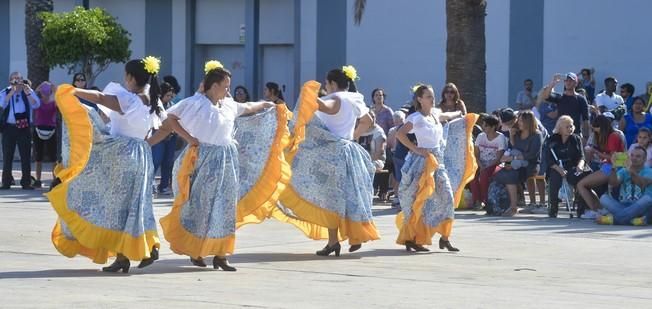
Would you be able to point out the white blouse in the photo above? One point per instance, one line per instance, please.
(209, 123)
(352, 107)
(135, 120)
(429, 132)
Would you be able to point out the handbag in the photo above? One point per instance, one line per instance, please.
(45, 132)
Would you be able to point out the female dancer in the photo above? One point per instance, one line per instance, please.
(205, 178)
(331, 190)
(104, 200)
(425, 210)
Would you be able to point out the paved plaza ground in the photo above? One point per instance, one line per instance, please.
(529, 261)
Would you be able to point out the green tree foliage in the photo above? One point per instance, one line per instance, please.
(84, 40)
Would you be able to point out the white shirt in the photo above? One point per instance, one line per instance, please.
(489, 148)
(342, 123)
(157, 120)
(609, 102)
(428, 131)
(135, 120)
(208, 122)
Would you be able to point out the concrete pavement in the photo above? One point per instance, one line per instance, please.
(523, 262)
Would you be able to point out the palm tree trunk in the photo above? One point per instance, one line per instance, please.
(37, 68)
(465, 50)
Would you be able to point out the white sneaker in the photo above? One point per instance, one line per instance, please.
(590, 215)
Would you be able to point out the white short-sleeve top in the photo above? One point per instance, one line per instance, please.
(135, 120)
(343, 122)
(209, 123)
(428, 131)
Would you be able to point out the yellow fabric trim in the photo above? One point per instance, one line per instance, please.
(314, 221)
(92, 241)
(471, 165)
(257, 204)
(181, 241)
(307, 108)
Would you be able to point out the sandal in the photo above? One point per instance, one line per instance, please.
(510, 212)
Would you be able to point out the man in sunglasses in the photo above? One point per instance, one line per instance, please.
(18, 100)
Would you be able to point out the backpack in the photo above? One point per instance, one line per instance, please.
(497, 199)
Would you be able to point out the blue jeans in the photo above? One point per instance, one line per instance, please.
(163, 157)
(623, 213)
(398, 165)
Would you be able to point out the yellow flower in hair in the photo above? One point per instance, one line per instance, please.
(212, 65)
(350, 72)
(152, 64)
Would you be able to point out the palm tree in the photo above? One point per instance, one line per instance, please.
(37, 69)
(465, 48)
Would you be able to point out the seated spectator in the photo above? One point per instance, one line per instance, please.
(627, 93)
(375, 142)
(588, 83)
(635, 194)
(526, 99)
(620, 133)
(565, 158)
(548, 113)
(241, 94)
(644, 139)
(609, 101)
(489, 148)
(606, 142)
(526, 138)
(636, 119)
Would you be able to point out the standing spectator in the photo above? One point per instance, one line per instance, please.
(163, 152)
(636, 118)
(608, 100)
(45, 131)
(383, 112)
(588, 83)
(272, 92)
(375, 142)
(79, 81)
(525, 139)
(635, 196)
(450, 100)
(565, 158)
(569, 103)
(241, 94)
(489, 148)
(526, 99)
(392, 142)
(18, 101)
(606, 142)
(627, 93)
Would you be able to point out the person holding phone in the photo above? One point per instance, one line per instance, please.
(18, 100)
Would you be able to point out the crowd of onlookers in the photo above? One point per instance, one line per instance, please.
(588, 147)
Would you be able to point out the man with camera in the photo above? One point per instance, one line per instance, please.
(17, 101)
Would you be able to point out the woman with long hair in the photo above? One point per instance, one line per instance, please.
(202, 221)
(331, 191)
(522, 161)
(104, 200)
(637, 118)
(605, 142)
(450, 100)
(420, 219)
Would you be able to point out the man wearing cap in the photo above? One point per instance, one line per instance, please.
(570, 102)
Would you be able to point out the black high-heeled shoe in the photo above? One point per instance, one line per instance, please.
(410, 245)
(118, 265)
(447, 244)
(198, 262)
(153, 256)
(219, 262)
(330, 249)
(355, 248)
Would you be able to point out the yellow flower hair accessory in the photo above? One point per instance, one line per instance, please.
(152, 64)
(350, 72)
(212, 65)
(416, 87)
